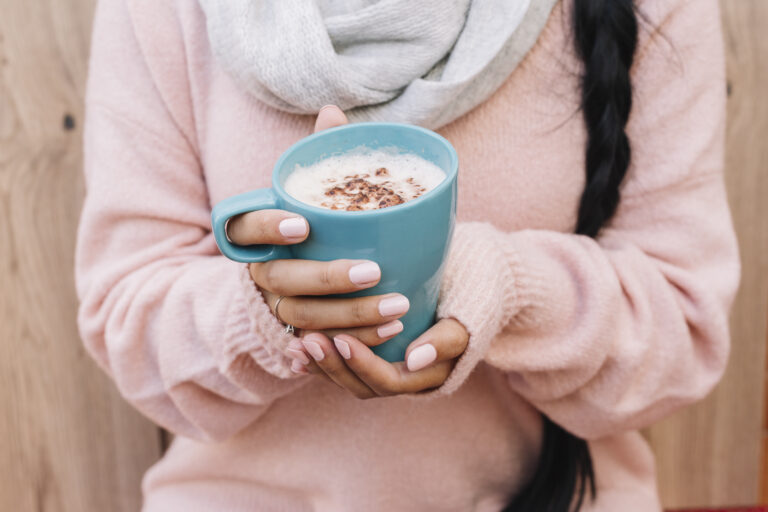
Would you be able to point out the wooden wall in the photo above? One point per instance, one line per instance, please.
(67, 440)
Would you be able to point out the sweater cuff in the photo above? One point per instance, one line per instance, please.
(484, 286)
(254, 331)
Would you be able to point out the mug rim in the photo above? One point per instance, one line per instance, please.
(450, 175)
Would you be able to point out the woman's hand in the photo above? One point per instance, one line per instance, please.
(350, 363)
(303, 284)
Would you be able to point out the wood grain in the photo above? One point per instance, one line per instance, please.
(709, 455)
(69, 442)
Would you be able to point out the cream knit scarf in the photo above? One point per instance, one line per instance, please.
(425, 62)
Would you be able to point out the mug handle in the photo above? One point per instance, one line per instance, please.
(261, 199)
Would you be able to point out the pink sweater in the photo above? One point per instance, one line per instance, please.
(605, 337)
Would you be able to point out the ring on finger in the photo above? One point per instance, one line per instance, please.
(289, 329)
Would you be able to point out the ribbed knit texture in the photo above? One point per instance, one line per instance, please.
(603, 336)
(253, 329)
(483, 297)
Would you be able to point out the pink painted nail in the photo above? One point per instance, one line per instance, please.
(314, 349)
(298, 355)
(294, 227)
(390, 329)
(421, 356)
(365, 273)
(298, 367)
(343, 347)
(396, 305)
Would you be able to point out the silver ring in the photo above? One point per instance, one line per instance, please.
(289, 329)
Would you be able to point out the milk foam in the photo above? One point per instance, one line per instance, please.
(363, 179)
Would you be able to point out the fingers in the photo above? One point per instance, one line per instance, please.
(331, 363)
(445, 340)
(385, 378)
(371, 336)
(306, 277)
(329, 117)
(301, 362)
(318, 314)
(267, 227)
(275, 226)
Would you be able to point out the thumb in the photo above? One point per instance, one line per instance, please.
(329, 117)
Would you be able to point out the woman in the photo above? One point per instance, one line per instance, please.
(586, 292)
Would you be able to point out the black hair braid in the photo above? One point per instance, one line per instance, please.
(606, 38)
(605, 33)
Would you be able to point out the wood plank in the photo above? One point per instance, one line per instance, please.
(69, 441)
(709, 455)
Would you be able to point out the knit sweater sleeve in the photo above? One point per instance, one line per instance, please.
(183, 331)
(613, 333)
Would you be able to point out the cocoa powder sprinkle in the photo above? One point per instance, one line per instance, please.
(360, 192)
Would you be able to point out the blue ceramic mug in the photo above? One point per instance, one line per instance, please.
(408, 241)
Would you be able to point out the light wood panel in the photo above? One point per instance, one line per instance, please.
(67, 440)
(709, 455)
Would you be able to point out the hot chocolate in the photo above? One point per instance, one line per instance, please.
(363, 180)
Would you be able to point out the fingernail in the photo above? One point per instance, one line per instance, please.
(314, 349)
(390, 329)
(394, 305)
(325, 107)
(365, 273)
(298, 367)
(421, 357)
(343, 348)
(298, 355)
(294, 227)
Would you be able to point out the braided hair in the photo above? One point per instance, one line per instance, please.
(605, 33)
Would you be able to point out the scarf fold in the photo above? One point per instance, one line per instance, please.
(425, 62)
